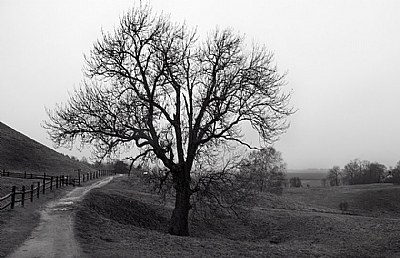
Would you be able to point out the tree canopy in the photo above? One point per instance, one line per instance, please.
(153, 85)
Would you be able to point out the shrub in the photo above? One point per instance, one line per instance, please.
(295, 182)
(343, 206)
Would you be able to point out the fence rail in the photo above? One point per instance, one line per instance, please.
(47, 183)
(24, 175)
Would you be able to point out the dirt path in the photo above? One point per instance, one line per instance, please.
(54, 236)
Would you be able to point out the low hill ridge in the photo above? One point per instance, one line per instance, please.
(18, 152)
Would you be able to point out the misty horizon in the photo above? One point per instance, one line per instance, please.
(342, 60)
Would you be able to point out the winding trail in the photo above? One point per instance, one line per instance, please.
(54, 236)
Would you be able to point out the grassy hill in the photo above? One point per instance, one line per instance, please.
(21, 153)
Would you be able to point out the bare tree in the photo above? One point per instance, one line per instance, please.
(395, 172)
(363, 172)
(334, 175)
(154, 86)
(220, 189)
(265, 169)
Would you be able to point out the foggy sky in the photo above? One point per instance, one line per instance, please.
(342, 59)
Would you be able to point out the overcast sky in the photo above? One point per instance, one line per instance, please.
(342, 59)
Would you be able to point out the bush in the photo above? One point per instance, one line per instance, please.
(343, 206)
(295, 182)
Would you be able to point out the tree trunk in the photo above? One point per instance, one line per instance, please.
(179, 224)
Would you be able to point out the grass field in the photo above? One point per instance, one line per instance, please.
(124, 220)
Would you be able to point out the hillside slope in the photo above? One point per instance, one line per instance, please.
(130, 222)
(21, 153)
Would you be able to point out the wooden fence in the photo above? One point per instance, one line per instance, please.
(46, 183)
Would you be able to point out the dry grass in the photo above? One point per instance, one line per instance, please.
(124, 220)
(376, 200)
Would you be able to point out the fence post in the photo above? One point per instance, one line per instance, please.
(24, 174)
(79, 176)
(31, 193)
(23, 196)
(13, 189)
(51, 183)
(44, 183)
(56, 182)
(38, 189)
(66, 180)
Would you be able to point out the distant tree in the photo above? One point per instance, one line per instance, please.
(363, 172)
(153, 85)
(84, 160)
(121, 167)
(295, 182)
(98, 165)
(396, 173)
(266, 170)
(351, 171)
(374, 172)
(334, 175)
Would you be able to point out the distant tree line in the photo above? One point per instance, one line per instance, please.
(363, 172)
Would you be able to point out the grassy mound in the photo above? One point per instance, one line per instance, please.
(128, 222)
(125, 210)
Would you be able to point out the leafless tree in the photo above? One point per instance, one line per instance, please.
(153, 85)
(363, 172)
(334, 175)
(265, 169)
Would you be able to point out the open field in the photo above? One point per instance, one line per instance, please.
(376, 200)
(124, 220)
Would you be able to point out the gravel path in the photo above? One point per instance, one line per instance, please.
(54, 236)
